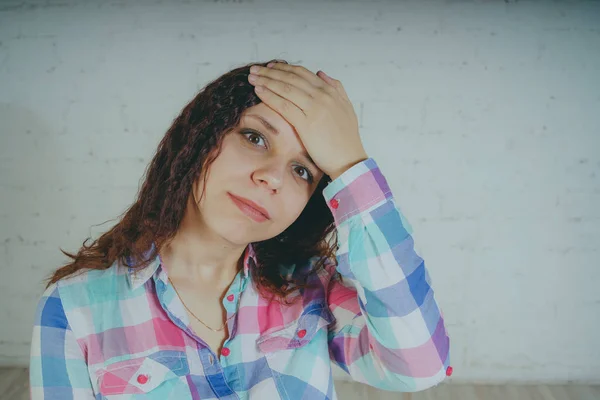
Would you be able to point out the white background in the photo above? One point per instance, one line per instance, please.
(483, 115)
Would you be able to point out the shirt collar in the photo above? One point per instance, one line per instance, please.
(249, 257)
(138, 277)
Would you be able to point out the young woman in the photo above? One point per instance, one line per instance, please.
(263, 243)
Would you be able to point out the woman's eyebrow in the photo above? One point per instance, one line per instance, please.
(275, 131)
(266, 124)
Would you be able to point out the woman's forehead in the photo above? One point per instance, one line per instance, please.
(269, 115)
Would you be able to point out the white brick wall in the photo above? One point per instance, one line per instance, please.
(484, 116)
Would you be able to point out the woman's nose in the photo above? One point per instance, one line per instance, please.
(272, 177)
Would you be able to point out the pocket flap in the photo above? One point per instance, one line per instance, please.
(141, 375)
(298, 333)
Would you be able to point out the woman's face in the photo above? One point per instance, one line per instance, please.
(267, 168)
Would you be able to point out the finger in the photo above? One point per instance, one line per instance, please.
(315, 80)
(285, 76)
(326, 78)
(300, 71)
(336, 84)
(286, 90)
(288, 110)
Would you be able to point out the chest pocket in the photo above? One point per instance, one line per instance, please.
(158, 376)
(314, 317)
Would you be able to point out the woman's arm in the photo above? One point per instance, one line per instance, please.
(57, 368)
(389, 331)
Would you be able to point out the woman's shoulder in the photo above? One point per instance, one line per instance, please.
(90, 285)
(49, 310)
(88, 276)
(71, 302)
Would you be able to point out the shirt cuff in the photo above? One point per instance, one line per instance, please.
(358, 189)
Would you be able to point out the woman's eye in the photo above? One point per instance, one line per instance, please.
(254, 138)
(302, 172)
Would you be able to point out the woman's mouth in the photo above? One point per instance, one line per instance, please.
(250, 208)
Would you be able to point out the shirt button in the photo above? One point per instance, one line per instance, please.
(142, 379)
(334, 203)
(301, 333)
(448, 371)
(211, 359)
(225, 351)
(230, 297)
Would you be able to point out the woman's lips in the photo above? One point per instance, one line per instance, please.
(250, 208)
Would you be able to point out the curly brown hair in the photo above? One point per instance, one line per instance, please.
(189, 147)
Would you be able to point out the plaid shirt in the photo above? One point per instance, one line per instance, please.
(116, 334)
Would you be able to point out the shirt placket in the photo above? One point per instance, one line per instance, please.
(212, 364)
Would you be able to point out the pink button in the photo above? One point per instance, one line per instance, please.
(448, 371)
(230, 297)
(142, 379)
(301, 333)
(334, 203)
(225, 351)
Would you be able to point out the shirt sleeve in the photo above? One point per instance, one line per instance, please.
(389, 332)
(57, 368)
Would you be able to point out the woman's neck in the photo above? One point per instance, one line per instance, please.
(198, 258)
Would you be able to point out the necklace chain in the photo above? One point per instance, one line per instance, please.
(194, 315)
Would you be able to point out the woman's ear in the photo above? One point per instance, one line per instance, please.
(195, 192)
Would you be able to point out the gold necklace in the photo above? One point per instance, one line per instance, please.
(194, 315)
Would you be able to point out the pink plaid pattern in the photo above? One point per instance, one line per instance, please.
(120, 333)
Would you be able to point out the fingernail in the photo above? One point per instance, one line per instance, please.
(269, 65)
